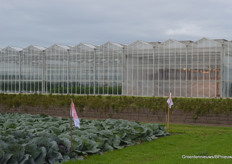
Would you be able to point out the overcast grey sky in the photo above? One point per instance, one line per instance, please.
(69, 22)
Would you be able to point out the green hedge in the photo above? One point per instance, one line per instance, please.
(199, 106)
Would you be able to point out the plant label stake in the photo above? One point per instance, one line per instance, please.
(168, 119)
(73, 114)
(170, 103)
(71, 125)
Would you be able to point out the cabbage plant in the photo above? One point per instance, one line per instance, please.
(37, 139)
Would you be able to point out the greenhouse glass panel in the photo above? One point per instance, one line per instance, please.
(191, 70)
(209, 68)
(82, 69)
(11, 70)
(109, 68)
(32, 69)
(56, 69)
(156, 67)
(227, 76)
(175, 68)
(138, 70)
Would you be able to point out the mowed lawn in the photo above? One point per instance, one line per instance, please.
(184, 140)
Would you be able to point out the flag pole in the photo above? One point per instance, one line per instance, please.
(71, 125)
(168, 113)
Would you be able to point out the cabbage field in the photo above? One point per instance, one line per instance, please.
(29, 139)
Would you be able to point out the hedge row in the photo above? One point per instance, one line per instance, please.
(199, 106)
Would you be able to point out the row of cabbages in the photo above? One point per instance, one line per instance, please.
(41, 138)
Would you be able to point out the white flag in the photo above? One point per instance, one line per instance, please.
(169, 101)
(75, 117)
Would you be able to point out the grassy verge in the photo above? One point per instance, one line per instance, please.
(185, 140)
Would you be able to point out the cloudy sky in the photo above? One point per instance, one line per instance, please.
(69, 22)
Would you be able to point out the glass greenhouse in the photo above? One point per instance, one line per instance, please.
(82, 69)
(10, 69)
(31, 69)
(56, 69)
(109, 68)
(185, 68)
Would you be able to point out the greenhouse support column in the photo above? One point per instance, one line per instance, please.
(222, 70)
(153, 72)
(141, 68)
(90, 59)
(85, 70)
(103, 70)
(203, 69)
(137, 69)
(180, 70)
(113, 73)
(116, 69)
(197, 67)
(43, 71)
(192, 73)
(26, 60)
(132, 70)
(164, 71)
(123, 67)
(20, 70)
(114, 77)
(158, 69)
(175, 72)
(68, 70)
(8, 71)
(209, 71)
(4, 72)
(169, 68)
(43, 67)
(215, 72)
(15, 75)
(94, 71)
(80, 54)
(228, 67)
(148, 71)
(108, 79)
